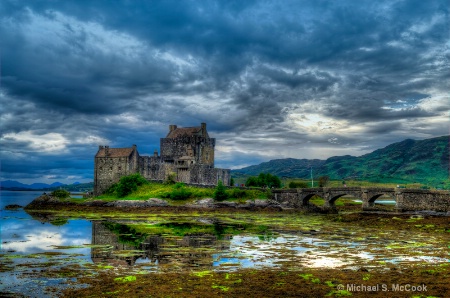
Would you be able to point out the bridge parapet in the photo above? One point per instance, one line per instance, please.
(379, 189)
(311, 190)
(343, 189)
(422, 191)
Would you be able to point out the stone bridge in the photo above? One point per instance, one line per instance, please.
(405, 199)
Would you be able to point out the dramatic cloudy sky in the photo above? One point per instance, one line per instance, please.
(272, 79)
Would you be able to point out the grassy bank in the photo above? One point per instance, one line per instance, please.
(182, 193)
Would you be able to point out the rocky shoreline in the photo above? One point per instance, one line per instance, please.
(46, 200)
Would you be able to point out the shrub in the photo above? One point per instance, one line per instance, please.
(252, 181)
(237, 193)
(220, 194)
(179, 185)
(171, 179)
(128, 184)
(60, 193)
(323, 181)
(298, 184)
(111, 190)
(180, 193)
(264, 180)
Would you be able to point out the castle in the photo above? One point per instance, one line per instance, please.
(186, 153)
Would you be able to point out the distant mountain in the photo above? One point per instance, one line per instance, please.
(409, 160)
(287, 167)
(15, 185)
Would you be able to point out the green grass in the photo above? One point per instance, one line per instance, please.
(180, 192)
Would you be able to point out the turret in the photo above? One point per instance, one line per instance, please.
(203, 129)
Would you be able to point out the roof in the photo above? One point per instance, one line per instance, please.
(115, 152)
(178, 132)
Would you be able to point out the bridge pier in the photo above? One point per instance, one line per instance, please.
(365, 198)
(329, 199)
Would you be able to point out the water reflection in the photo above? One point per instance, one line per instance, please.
(117, 244)
(24, 235)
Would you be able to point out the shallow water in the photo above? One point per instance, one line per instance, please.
(34, 251)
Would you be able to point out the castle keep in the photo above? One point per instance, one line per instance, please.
(187, 153)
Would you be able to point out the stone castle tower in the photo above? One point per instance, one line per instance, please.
(186, 153)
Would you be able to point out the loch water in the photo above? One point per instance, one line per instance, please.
(36, 249)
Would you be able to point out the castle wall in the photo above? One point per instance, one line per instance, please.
(206, 175)
(206, 155)
(108, 171)
(198, 147)
(184, 175)
(175, 148)
(223, 175)
(151, 168)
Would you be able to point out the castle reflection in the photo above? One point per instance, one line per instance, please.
(115, 245)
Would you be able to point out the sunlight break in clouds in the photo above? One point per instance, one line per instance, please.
(49, 142)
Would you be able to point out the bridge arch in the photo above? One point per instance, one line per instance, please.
(369, 196)
(306, 198)
(377, 196)
(335, 193)
(333, 199)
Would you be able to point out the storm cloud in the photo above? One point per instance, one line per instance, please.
(272, 79)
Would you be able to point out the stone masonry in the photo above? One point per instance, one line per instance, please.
(186, 153)
(406, 199)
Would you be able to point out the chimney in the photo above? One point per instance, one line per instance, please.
(155, 154)
(172, 127)
(204, 129)
(106, 150)
(100, 147)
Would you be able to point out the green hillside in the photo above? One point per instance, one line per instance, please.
(425, 161)
(287, 167)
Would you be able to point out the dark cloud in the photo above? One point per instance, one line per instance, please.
(272, 79)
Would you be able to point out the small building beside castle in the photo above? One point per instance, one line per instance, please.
(186, 153)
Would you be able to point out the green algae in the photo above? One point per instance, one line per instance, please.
(128, 253)
(203, 273)
(222, 288)
(306, 276)
(339, 293)
(99, 266)
(128, 278)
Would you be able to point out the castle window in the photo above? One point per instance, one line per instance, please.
(119, 168)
